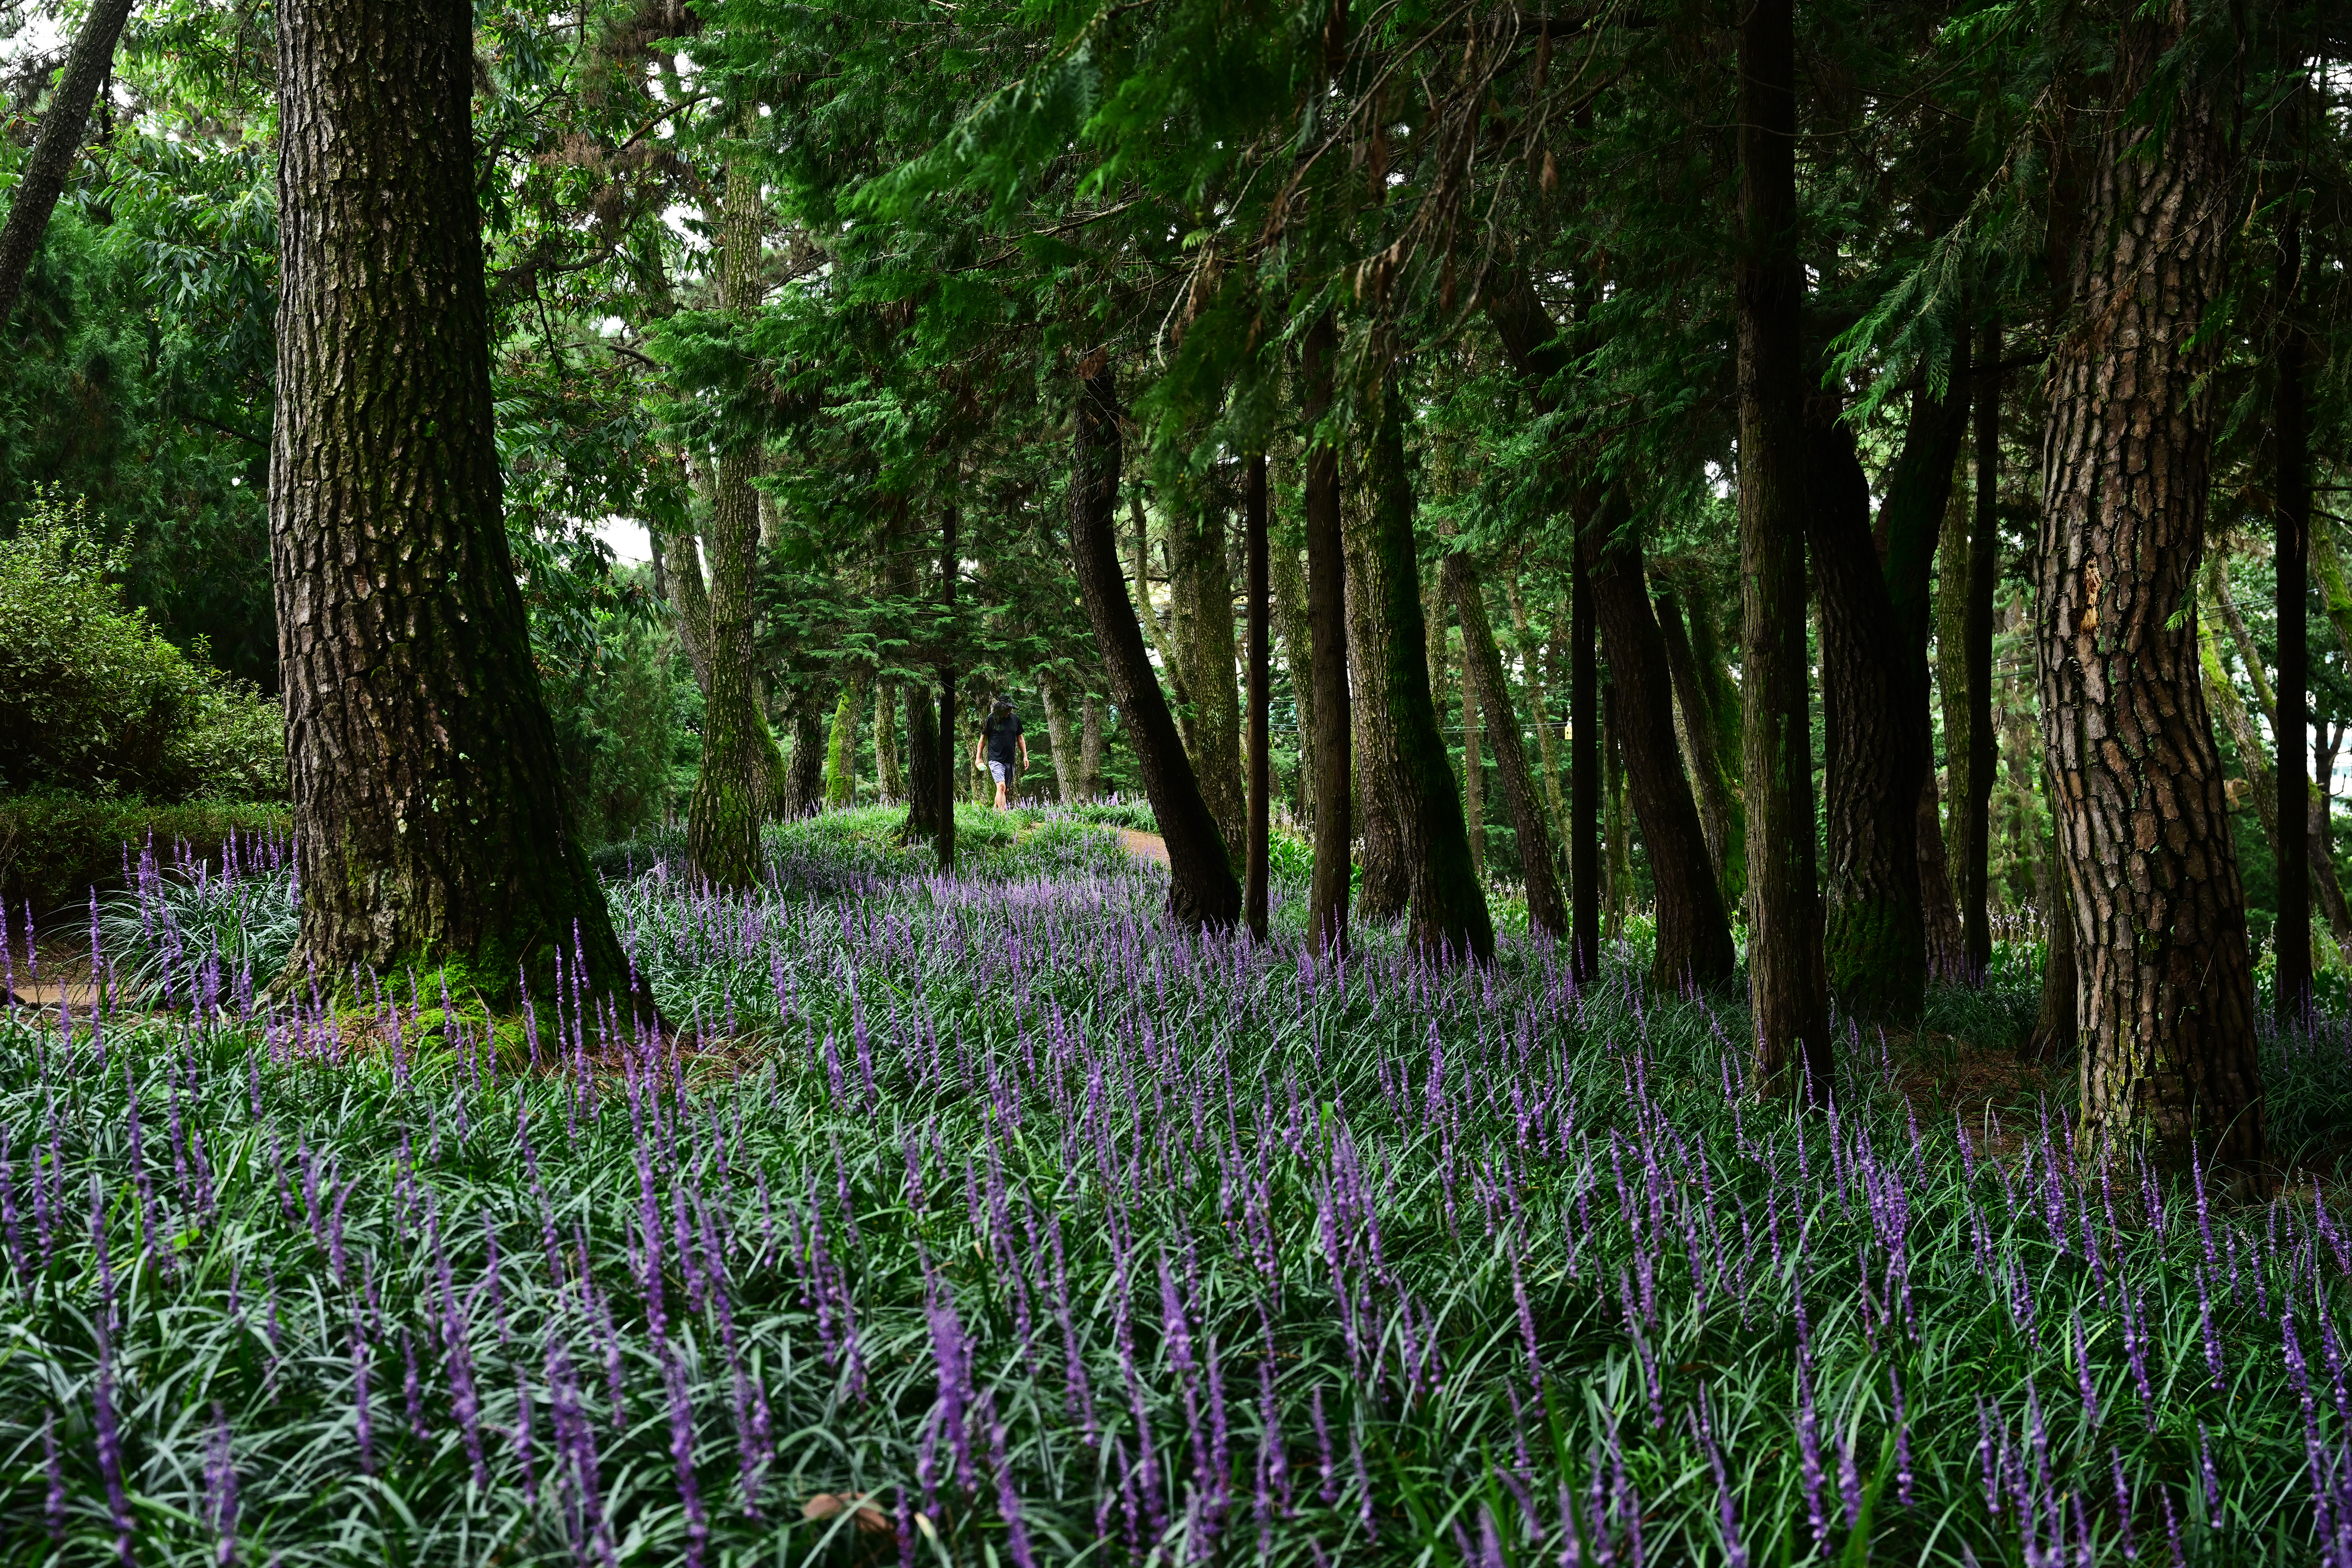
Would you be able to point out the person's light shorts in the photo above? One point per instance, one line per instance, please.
(1000, 771)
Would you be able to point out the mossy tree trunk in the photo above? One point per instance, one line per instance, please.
(1546, 910)
(1202, 888)
(2168, 1052)
(430, 822)
(841, 746)
(1787, 986)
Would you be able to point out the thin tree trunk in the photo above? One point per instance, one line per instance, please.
(1984, 753)
(1695, 944)
(2168, 1052)
(1450, 923)
(1059, 736)
(1874, 942)
(1090, 748)
(1947, 954)
(1584, 773)
(430, 822)
(802, 791)
(2245, 739)
(1299, 657)
(1200, 886)
(1785, 972)
(1539, 699)
(1171, 661)
(1203, 603)
(1547, 911)
(1704, 747)
(1384, 891)
(692, 603)
(1261, 738)
(950, 750)
(2291, 524)
(889, 782)
(43, 180)
(1618, 849)
(926, 779)
(2055, 1025)
(1474, 770)
(1327, 614)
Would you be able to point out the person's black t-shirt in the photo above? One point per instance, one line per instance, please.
(1003, 736)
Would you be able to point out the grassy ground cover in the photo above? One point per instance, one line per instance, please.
(996, 1220)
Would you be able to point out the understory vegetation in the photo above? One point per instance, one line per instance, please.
(999, 1218)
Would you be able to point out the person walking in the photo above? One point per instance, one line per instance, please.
(1007, 749)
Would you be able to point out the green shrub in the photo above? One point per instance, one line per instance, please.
(54, 847)
(94, 699)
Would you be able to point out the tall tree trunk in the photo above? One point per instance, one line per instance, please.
(1474, 769)
(841, 748)
(1449, 922)
(689, 597)
(1698, 729)
(1616, 835)
(1171, 658)
(1090, 748)
(1984, 752)
(2290, 524)
(1939, 906)
(2055, 1026)
(1584, 775)
(1327, 614)
(889, 783)
(1204, 601)
(1200, 886)
(1875, 941)
(43, 180)
(1060, 736)
(741, 766)
(1785, 975)
(2169, 1053)
(1289, 584)
(1261, 738)
(951, 765)
(802, 791)
(1694, 930)
(1384, 891)
(925, 779)
(430, 822)
(1547, 911)
(1539, 699)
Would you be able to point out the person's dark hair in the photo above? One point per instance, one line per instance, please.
(1000, 712)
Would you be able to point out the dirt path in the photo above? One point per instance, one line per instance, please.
(1144, 846)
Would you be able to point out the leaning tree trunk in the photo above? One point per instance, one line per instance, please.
(2168, 998)
(1327, 615)
(1384, 892)
(430, 823)
(1201, 890)
(1786, 982)
(43, 180)
(741, 766)
(1547, 911)
(1059, 736)
(1694, 930)
(1984, 750)
(1449, 922)
(1873, 940)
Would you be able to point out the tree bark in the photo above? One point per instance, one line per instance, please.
(1547, 911)
(2169, 1053)
(1204, 601)
(1384, 891)
(1059, 736)
(1090, 748)
(1473, 767)
(889, 782)
(1327, 614)
(1695, 945)
(43, 180)
(2055, 1025)
(1202, 891)
(1539, 698)
(925, 779)
(1786, 981)
(802, 792)
(1698, 729)
(741, 766)
(841, 746)
(1584, 775)
(1261, 738)
(1984, 752)
(1449, 922)
(430, 822)
(2291, 530)
(689, 597)
(1939, 907)
(1172, 659)
(1616, 832)
(951, 755)
(1289, 584)
(1875, 941)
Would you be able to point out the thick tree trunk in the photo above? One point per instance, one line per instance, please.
(1786, 982)
(1060, 735)
(1546, 910)
(2168, 1052)
(1289, 584)
(43, 179)
(1984, 752)
(430, 823)
(1384, 891)
(1584, 775)
(1715, 807)
(1203, 603)
(1090, 748)
(888, 781)
(1200, 886)
(1694, 930)
(1873, 940)
(1261, 676)
(1450, 923)
(1327, 614)
(741, 767)
(2291, 526)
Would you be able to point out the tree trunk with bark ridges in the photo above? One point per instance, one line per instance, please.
(1873, 940)
(1694, 930)
(1384, 892)
(1547, 911)
(1327, 615)
(430, 822)
(2168, 1003)
(1201, 890)
(1787, 987)
(1449, 922)
(925, 779)
(43, 177)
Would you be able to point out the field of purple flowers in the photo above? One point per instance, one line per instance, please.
(998, 1221)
